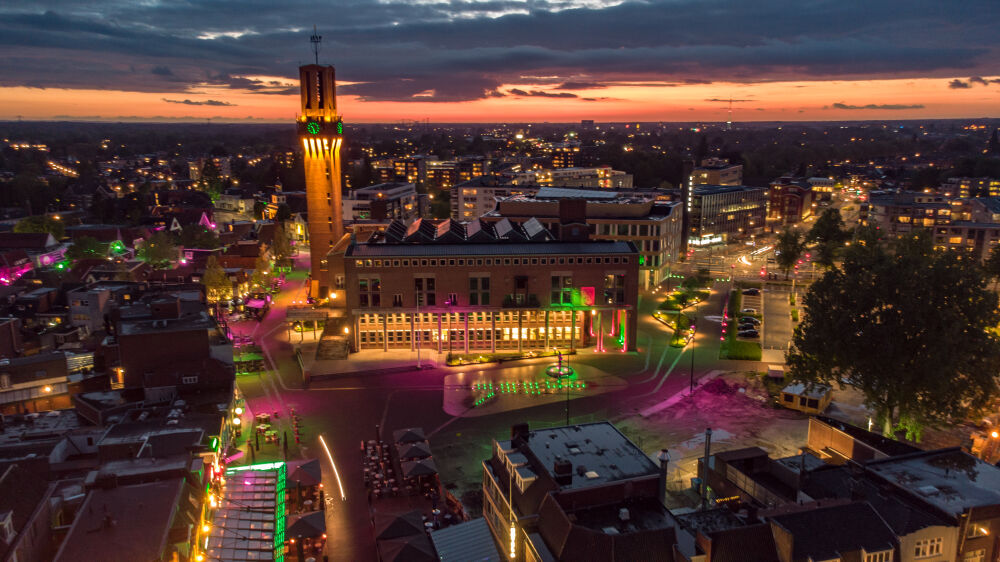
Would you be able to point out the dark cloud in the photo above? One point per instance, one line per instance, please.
(840, 105)
(461, 50)
(540, 94)
(580, 86)
(973, 80)
(204, 102)
(726, 100)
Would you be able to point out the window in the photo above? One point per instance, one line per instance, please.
(479, 291)
(369, 292)
(614, 289)
(975, 531)
(884, 556)
(928, 547)
(424, 287)
(397, 299)
(562, 289)
(975, 556)
(452, 299)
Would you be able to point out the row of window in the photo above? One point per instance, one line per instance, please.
(452, 262)
(431, 317)
(500, 334)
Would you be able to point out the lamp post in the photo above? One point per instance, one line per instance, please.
(694, 330)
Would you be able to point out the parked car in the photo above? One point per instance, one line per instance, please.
(749, 311)
(748, 334)
(750, 320)
(751, 292)
(747, 326)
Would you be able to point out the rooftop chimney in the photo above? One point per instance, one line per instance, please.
(519, 430)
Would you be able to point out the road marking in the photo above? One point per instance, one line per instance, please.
(336, 474)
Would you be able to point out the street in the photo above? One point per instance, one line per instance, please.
(349, 410)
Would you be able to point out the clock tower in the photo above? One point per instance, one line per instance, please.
(321, 132)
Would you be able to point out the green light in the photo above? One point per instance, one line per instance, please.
(312, 128)
(215, 443)
(340, 127)
(642, 260)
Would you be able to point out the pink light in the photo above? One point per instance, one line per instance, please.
(246, 482)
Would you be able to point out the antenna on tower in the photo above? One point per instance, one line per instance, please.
(315, 39)
(729, 124)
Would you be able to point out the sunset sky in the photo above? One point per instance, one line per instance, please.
(503, 60)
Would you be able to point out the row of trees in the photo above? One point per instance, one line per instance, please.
(911, 327)
(828, 233)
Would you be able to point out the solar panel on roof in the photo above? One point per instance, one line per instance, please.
(535, 230)
(503, 228)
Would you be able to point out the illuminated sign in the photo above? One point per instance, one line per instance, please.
(312, 128)
(340, 127)
(513, 541)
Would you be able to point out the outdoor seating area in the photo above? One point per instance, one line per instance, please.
(405, 495)
(305, 522)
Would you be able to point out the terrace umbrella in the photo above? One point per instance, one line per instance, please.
(417, 548)
(305, 473)
(422, 467)
(417, 450)
(409, 435)
(389, 526)
(309, 525)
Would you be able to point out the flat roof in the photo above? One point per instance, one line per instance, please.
(495, 248)
(570, 193)
(126, 523)
(949, 479)
(602, 452)
(716, 189)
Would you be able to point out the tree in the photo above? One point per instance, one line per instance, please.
(216, 282)
(41, 223)
(283, 213)
(828, 232)
(197, 236)
(992, 265)
(788, 249)
(159, 250)
(280, 248)
(261, 270)
(86, 247)
(701, 278)
(922, 353)
(258, 209)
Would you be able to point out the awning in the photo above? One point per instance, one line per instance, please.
(417, 450)
(409, 435)
(407, 549)
(308, 525)
(422, 467)
(390, 526)
(306, 473)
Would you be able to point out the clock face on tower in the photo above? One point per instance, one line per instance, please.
(312, 127)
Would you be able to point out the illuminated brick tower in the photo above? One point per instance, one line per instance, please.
(321, 131)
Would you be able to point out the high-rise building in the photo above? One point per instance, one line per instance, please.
(321, 131)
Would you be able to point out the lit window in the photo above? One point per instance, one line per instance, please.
(928, 547)
(884, 556)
